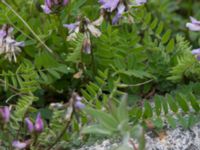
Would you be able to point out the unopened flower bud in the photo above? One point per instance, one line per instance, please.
(29, 125)
(39, 124)
(5, 114)
(87, 46)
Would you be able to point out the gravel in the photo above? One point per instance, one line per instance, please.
(173, 139)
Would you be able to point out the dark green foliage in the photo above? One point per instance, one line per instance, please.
(140, 70)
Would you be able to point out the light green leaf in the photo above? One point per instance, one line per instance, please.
(96, 129)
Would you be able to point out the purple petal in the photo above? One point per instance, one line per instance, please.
(2, 33)
(29, 125)
(193, 27)
(79, 105)
(46, 9)
(116, 18)
(87, 50)
(5, 114)
(198, 57)
(39, 123)
(78, 98)
(120, 10)
(65, 2)
(71, 26)
(20, 44)
(194, 21)
(196, 51)
(102, 2)
(48, 3)
(111, 5)
(19, 145)
(140, 2)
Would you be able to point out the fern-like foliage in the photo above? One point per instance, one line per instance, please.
(185, 65)
(54, 128)
(76, 49)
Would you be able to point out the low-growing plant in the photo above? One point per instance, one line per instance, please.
(77, 71)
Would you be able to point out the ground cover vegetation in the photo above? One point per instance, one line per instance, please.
(76, 71)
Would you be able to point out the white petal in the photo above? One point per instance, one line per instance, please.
(98, 22)
(95, 32)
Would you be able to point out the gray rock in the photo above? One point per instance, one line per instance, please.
(175, 139)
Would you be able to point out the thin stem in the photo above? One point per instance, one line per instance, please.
(12, 96)
(61, 134)
(21, 125)
(27, 25)
(133, 85)
(93, 61)
(10, 22)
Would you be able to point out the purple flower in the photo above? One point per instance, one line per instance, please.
(19, 145)
(115, 6)
(29, 125)
(65, 2)
(198, 57)
(109, 5)
(2, 33)
(78, 104)
(140, 2)
(37, 127)
(5, 114)
(120, 10)
(9, 46)
(46, 9)
(196, 52)
(87, 46)
(39, 123)
(71, 27)
(194, 25)
(49, 5)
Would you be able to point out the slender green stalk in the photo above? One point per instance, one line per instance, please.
(134, 85)
(27, 25)
(61, 135)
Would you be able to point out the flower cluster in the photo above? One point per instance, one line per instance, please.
(85, 26)
(51, 6)
(36, 128)
(9, 47)
(194, 25)
(118, 7)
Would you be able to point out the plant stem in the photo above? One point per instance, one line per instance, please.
(93, 62)
(61, 134)
(27, 25)
(134, 85)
